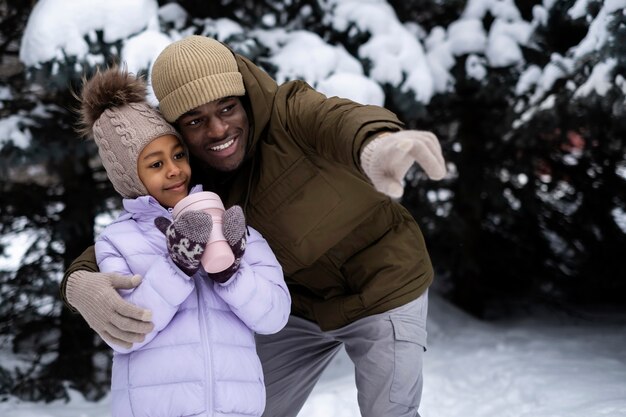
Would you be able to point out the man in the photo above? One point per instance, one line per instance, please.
(314, 176)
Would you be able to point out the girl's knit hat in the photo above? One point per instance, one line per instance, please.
(194, 71)
(114, 112)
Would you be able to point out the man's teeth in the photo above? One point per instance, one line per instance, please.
(223, 146)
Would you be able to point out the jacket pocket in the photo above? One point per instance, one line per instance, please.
(409, 340)
(181, 399)
(292, 210)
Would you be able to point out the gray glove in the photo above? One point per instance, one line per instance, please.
(388, 157)
(95, 297)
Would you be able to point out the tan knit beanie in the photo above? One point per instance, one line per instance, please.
(114, 112)
(194, 71)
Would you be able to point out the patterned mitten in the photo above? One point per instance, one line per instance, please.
(187, 238)
(234, 229)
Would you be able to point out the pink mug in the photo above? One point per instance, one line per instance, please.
(217, 256)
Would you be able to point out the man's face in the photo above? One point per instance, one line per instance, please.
(217, 132)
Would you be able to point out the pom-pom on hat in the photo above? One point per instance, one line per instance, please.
(194, 71)
(114, 112)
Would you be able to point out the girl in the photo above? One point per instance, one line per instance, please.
(200, 359)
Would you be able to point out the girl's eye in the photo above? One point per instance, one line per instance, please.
(156, 164)
(180, 155)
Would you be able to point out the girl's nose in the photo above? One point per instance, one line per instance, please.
(172, 169)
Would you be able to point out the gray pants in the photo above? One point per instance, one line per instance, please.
(386, 350)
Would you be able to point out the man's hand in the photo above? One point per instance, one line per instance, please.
(93, 294)
(387, 158)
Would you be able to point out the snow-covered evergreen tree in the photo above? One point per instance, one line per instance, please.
(526, 97)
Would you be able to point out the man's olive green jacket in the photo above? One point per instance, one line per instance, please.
(347, 251)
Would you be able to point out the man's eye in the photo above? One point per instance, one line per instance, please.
(228, 108)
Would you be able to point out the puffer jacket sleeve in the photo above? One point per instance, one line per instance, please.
(163, 288)
(335, 128)
(257, 293)
(85, 262)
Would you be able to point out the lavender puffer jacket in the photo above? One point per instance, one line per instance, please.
(200, 360)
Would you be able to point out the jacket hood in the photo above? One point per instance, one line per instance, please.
(260, 92)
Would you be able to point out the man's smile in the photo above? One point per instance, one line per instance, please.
(224, 145)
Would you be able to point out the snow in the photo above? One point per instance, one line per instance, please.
(135, 53)
(5, 93)
(619, 215)
(529, 78)
(298, 46)
(542, 365)
(15, 128)
(467, 36)
(600, 79)
(53, 30)
(16, 245)
(396, 56)
(359, 88)
(597, 36)
(508, 31)
(400, 55)
(475, 67)
(579, 9)
(222, 28)
(505, 39)
(173, 13)
(11, 130)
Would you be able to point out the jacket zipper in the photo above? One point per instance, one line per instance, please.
(206, 347)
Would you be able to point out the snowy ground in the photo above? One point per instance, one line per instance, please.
(539, 367)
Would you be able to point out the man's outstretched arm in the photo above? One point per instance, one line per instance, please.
(94, 295)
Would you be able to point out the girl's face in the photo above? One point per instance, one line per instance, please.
(164, 170)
